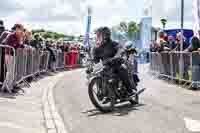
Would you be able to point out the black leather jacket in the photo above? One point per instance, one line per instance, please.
(106, 51)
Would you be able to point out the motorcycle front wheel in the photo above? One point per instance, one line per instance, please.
(96, 96)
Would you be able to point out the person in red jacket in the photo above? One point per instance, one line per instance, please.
(14, 40)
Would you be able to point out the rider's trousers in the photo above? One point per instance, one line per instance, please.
(123, 75)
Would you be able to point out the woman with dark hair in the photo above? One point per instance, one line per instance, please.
(195, 44)
(195, 49)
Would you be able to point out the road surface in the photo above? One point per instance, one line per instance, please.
(164, 108)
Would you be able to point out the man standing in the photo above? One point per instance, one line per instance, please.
(186, 58)
(36, 42)
(171, 43)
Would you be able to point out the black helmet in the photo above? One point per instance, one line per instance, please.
(105, 31)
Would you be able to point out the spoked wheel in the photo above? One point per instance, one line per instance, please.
(98, 97)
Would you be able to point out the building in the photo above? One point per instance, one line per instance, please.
(146, 26)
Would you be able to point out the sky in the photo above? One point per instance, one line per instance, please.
(171, 10)
(68, 16)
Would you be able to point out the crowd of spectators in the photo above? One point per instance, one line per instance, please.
(169, 43)
(21, 38)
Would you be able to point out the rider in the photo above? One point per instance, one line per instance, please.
(105, 49)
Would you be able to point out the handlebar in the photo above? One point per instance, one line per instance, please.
(117, 59)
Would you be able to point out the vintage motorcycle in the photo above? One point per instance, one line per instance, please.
(104, 84)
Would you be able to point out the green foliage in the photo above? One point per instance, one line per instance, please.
(123, 27)
(49, 34)
(163, 22)
(129, 30)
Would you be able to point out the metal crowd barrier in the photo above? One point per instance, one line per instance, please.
(65, 60)
(181, 66)
(17, 65)
(7, 67)
(60, 61)
(29, 62)
(44, 58)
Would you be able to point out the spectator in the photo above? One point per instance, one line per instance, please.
(171, 43)
(165, 37)
(2, 28)
(15, 40)
(186, 59)
(67, 47)
(162, 42)
(62, 47)
(195, 48)
(3, 33)
(172, 46)
(178, 42)
(155, 47)
(199, 33)
(36, 42)
(2, 58)
(52, 57)
(162, 39)
(28, 39)
(194, 45)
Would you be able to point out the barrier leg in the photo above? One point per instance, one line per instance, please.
(26, 83)
(8, 83)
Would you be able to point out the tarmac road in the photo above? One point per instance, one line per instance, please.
(163, 108)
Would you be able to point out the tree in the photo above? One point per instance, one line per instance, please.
(133, 29)
(123, 27)
(163, 22)
(49, 34)
(129, 30)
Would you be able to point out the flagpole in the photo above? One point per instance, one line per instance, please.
(87, 34)
(182, 38)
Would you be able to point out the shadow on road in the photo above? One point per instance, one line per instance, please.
(121, 110)
(7, 95)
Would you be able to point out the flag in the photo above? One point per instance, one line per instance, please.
(196, 16)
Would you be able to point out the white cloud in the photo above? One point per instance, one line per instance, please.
(70, 16)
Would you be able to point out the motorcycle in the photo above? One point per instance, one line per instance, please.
(105, 85)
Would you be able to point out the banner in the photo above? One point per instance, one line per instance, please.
(145, 32)
(196, 14)
(87, 34)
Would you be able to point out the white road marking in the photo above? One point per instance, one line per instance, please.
(192, 125)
